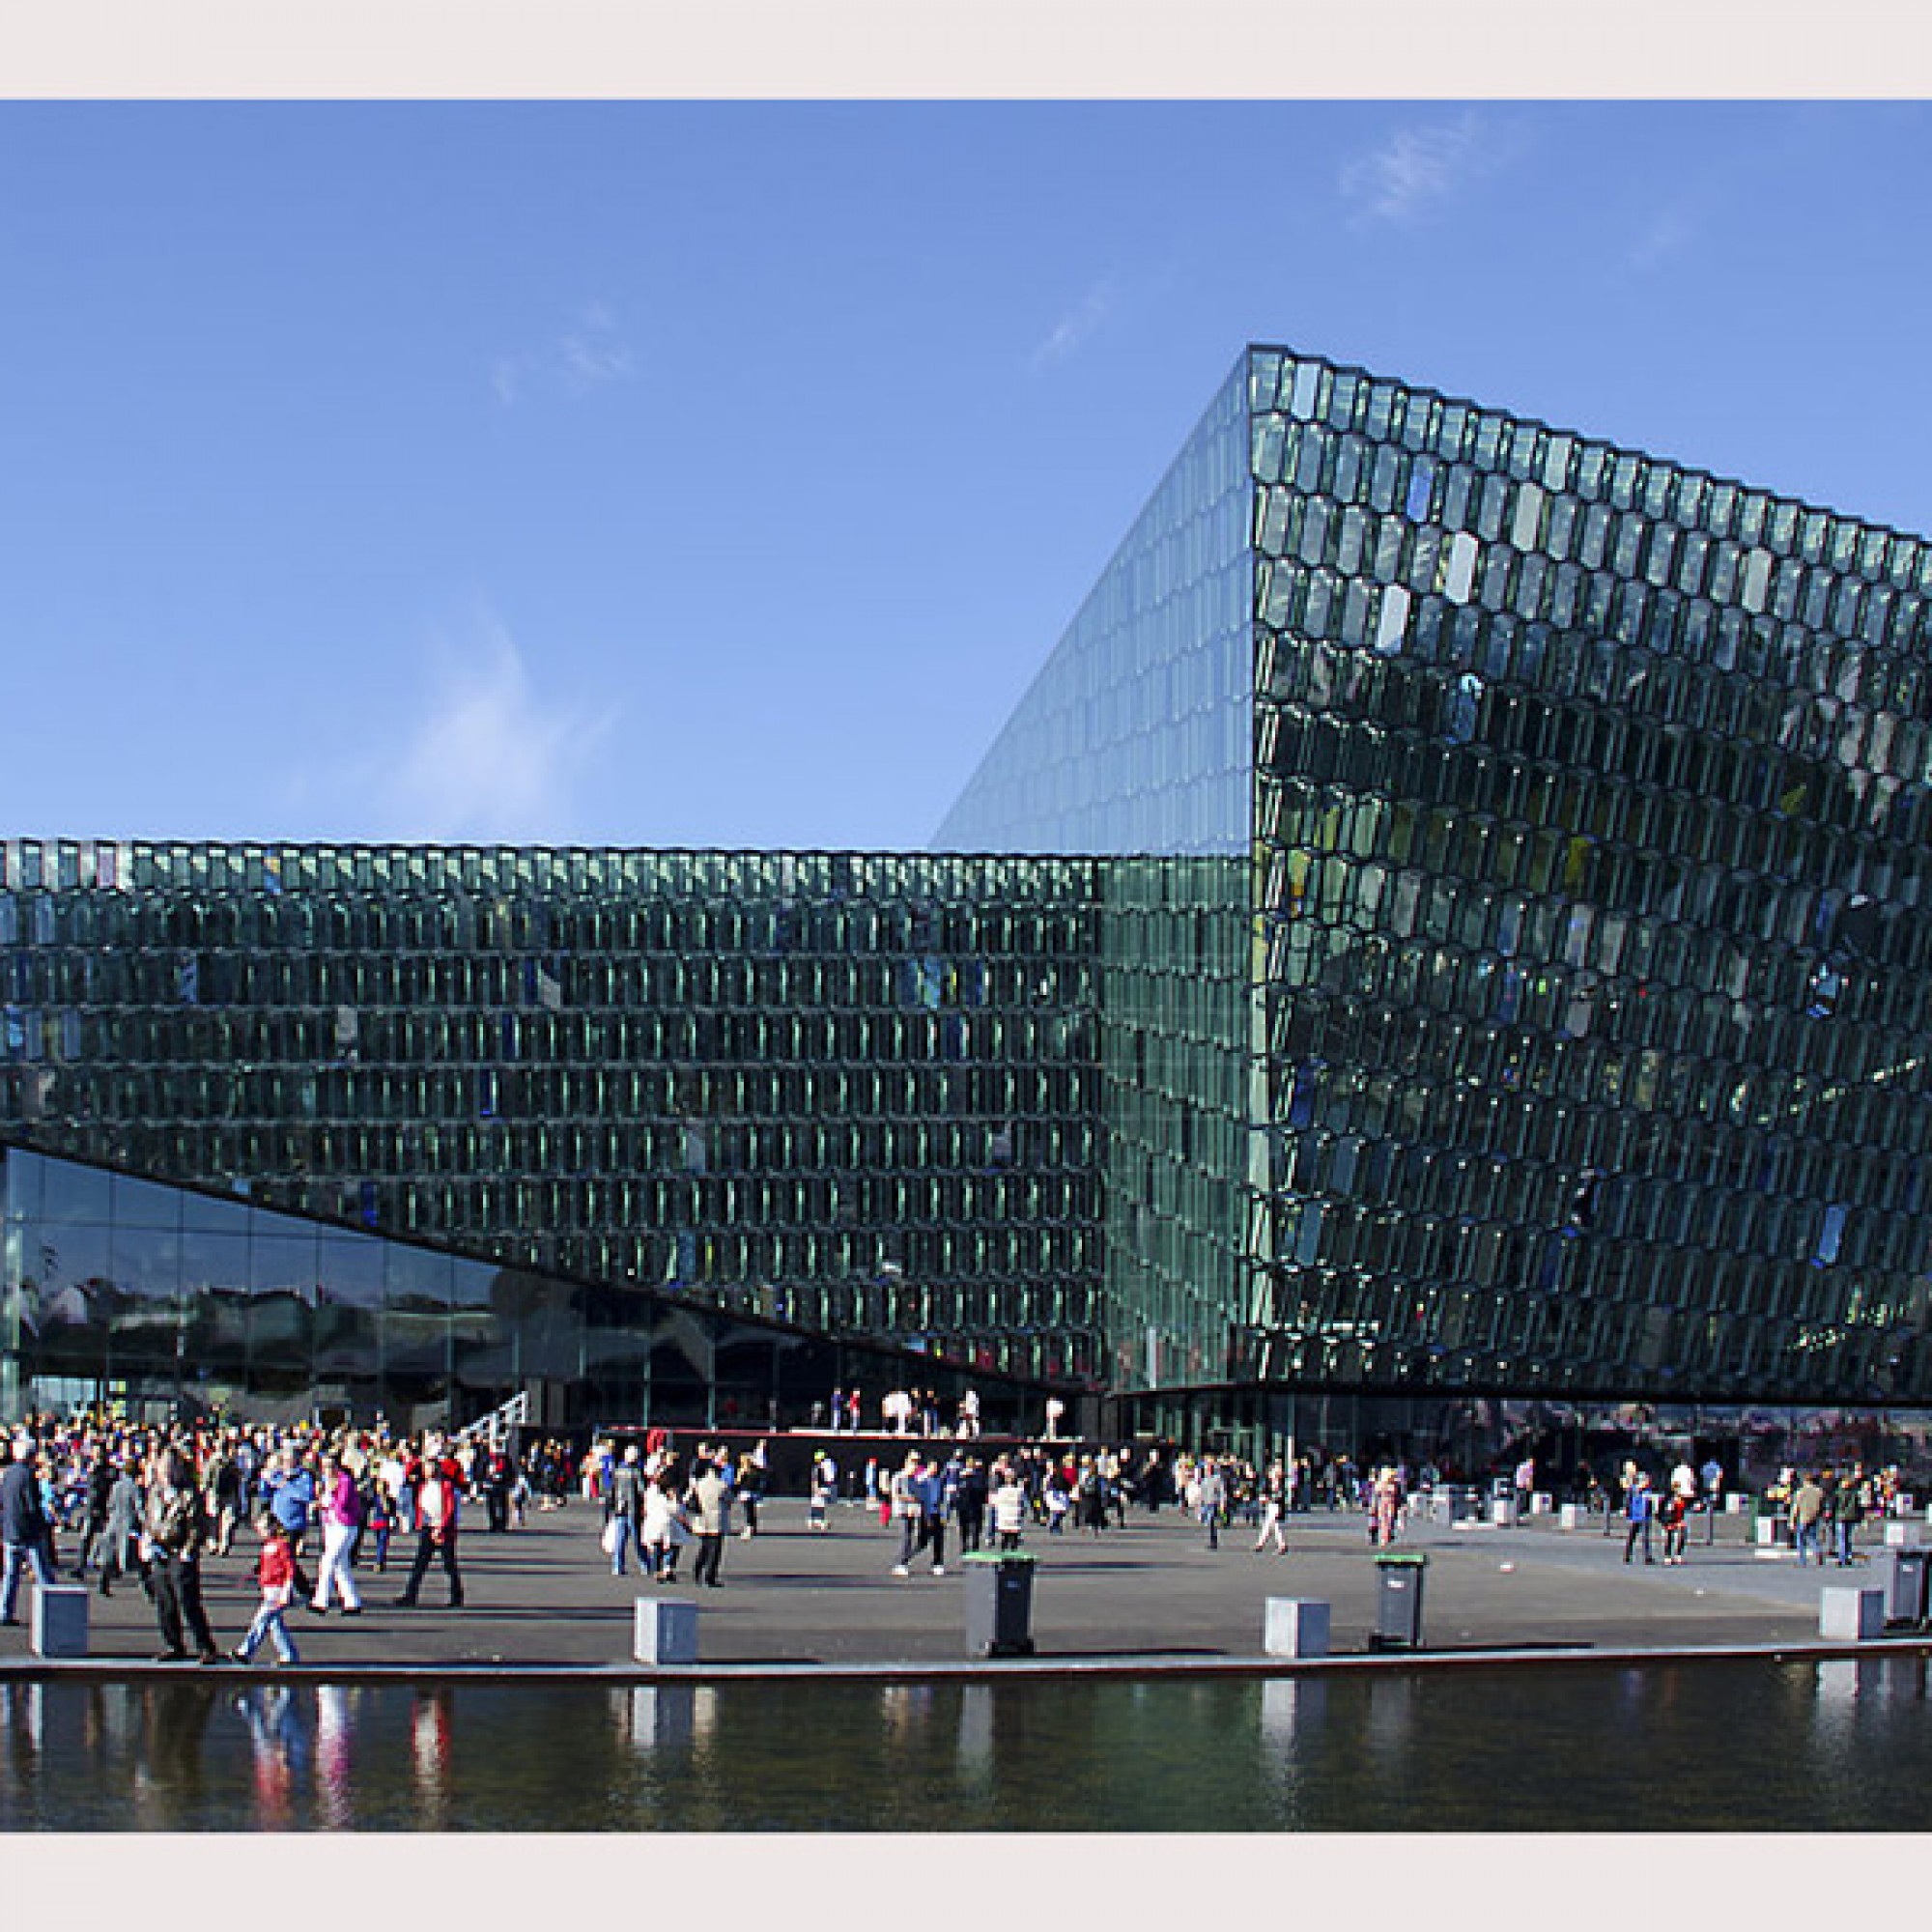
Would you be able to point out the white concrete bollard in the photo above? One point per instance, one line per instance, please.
(1571, 1516)
(1296, 1627)
(667, 1630)
(1851, 1614)
(1502, 1513)
(1541, 1503)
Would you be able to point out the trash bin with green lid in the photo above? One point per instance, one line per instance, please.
(1398, 1600)
(999, 1602)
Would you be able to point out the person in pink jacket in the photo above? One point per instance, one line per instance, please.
(339, 1505)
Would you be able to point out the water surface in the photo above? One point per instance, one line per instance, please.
(1730, 1746)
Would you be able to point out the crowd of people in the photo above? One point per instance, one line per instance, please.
(316, 1509)
(905, 1412)
(1824, 1507)
(109, 1502)
(658, 1504)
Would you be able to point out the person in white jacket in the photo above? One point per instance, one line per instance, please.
(1009, 1506)
(665, 1529)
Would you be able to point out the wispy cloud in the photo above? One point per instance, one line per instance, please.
(1076, 326)
(589, 354)
(490, 757)
(1665, 237)
(1421, 168)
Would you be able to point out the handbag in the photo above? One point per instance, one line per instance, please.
(610, 1536)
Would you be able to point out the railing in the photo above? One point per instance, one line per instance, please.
(499, 1423)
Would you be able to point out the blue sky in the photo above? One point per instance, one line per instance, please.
(719, 475)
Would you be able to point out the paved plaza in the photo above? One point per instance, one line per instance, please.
(1150, 1594)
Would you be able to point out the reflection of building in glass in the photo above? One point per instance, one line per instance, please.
(114, 1284)
(1445, 918)
(1582, 1028)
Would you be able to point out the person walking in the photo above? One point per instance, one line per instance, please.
(1846, 1510)
(930, 1491)
(93, 1524)
(121, 1539)
(824, 1488)
(378, 1511)
(711, 1520)
(624, 1512)
(1274, 1507)
(287, 1486)
(436, 1480)
(1210, 1498)
(1806, 1510)
(498, 1478)
(173, 1531)
(223, 1486)
(968, 1503)
(1009, 1504)
(1712, 1484)
(275, 1576)
(903, 1508)
(1385, 1504)
(26, 1535)
(750, 1488)
(1675, 1518)
(339, 1506)
(665, 1529)
(1640, 1510)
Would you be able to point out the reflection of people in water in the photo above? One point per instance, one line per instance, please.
(428, 1751)
(280, 1742)
(172, 1725)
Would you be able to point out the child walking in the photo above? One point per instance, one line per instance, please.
(276, 1572)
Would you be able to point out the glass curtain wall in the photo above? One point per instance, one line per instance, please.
(1136, 735)
(120, 1290)
(1593, 842)
(854, 1091)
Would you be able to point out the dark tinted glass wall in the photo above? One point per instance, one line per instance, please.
(859, 1092)
(1594, 840)
(120, 1290)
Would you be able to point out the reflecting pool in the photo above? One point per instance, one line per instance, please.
(1730, 1746)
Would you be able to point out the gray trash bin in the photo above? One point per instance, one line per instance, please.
(1903, 1574)
(1399, 1599)
(999, 1604)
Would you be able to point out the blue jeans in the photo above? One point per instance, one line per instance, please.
(18, 1556)
(1806, 1536)
(622, 1526)
(269, 1624)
